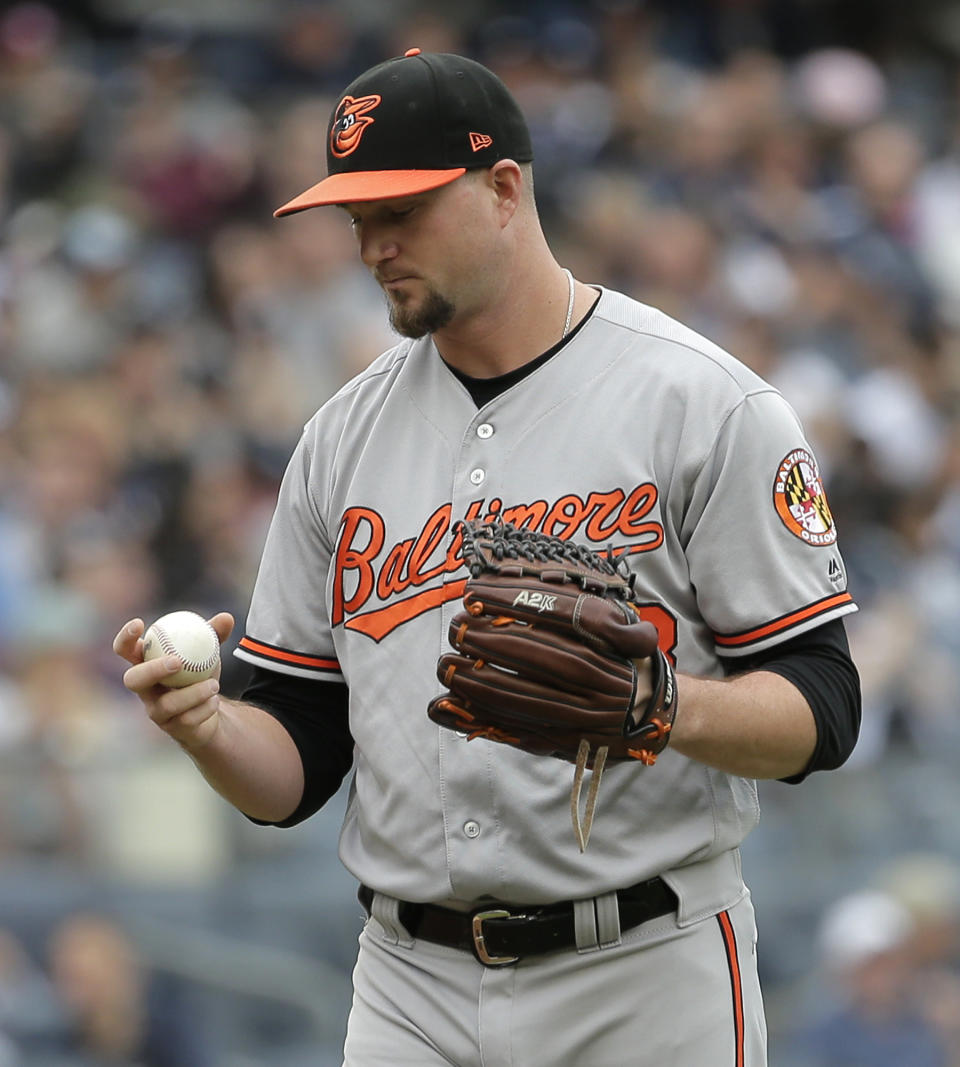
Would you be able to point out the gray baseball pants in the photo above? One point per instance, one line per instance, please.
(664, 996)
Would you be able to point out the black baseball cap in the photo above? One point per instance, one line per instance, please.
(415, 123)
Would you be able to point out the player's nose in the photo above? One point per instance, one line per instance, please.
(377, 246)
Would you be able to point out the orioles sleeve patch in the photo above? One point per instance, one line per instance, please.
(801, 501)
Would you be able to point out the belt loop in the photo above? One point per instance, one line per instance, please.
(608, 919)
(585, 925)
(386, 910)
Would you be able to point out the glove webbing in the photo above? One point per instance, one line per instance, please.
(503, 541)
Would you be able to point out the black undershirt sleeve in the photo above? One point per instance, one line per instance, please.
(818, 663)
(315, 715)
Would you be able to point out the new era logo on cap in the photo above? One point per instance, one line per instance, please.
(413, 124)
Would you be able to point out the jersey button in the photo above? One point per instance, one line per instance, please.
(484, 431)
(477, 476)
(471, 829)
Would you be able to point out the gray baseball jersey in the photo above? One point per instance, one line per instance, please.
(638, 434)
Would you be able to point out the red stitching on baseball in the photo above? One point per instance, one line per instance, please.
(188, 665)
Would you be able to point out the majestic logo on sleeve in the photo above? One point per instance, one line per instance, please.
(379, 585)
(801, 501)
(350, 123)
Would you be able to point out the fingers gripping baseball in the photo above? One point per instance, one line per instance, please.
(190, 718)
(189, 714)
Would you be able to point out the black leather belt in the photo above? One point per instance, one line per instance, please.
(499, 934)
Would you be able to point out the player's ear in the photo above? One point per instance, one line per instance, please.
(506, 182)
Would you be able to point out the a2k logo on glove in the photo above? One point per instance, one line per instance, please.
(539, 601)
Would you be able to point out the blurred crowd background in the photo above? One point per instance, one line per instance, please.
(783, 175)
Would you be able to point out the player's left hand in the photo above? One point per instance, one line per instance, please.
(550, 653)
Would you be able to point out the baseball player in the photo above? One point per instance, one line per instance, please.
(518, 393)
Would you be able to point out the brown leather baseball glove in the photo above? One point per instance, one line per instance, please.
(552, 658)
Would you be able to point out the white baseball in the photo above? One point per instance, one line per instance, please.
(190, 637)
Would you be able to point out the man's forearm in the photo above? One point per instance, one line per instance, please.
(252, 762)
(755, 725)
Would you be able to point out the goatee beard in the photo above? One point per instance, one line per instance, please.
(433, 314)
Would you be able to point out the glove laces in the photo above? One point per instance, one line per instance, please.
(583, 824)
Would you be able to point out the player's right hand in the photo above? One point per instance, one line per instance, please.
(189, 715)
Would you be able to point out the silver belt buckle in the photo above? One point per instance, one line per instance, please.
(478, 941)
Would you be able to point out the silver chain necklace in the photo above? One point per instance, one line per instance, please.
(566, 325)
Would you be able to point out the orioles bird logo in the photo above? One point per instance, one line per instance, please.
(349, 123)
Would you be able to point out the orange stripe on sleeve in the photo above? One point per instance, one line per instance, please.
(282, 656)
(783, 623)
(736, 983)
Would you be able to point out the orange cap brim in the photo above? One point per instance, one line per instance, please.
(349, 188)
